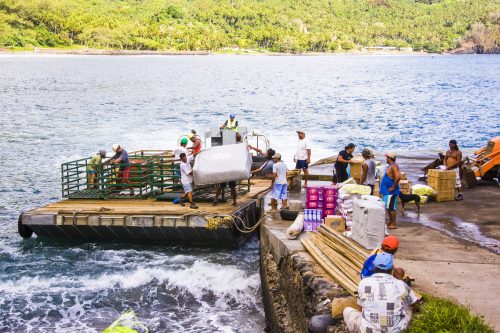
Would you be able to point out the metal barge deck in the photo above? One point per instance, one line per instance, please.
(147, 219)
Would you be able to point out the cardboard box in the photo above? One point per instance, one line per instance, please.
(405, 186)
(443, 182)
(335, 221)
(355, 167)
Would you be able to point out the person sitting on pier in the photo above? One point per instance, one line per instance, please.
(280, 183)
(222, 188)
(389, 189)
(93, 167)
(187, 180)
(231, 123)
(390, 245)
(121, 158)
(386, 302)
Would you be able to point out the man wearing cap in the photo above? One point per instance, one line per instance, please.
(180, 149)
(390, 245)
(343, 159)
(93, 167)
(452, 161)
(121, 157)
(231, 123)
(280, 184)
(302, 156)
(368, 169)
(386, 302)
(389, 188)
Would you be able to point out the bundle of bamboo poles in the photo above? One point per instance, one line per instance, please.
(340, 257)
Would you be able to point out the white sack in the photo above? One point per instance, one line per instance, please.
(296, 227)
(368, 227)
(370, 197)
(222, 164)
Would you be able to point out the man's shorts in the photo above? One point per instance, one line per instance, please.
(188, 187)
(458, 183)
(301, 164)
(124, 175)
(280, 192)
(390, 201)
(232, 184)
(91, 172)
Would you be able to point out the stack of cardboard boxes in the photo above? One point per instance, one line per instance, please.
(443, 182)
(405, 184)
(320, 201)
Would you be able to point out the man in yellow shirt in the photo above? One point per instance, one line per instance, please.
(93, 167)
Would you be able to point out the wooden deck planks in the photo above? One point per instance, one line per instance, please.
(147, 206)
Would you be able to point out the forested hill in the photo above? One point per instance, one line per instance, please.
(274, 25)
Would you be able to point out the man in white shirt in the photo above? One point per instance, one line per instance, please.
(187, 179)
(177, 153)
(302, 156)
(386, 302)
(280, 184)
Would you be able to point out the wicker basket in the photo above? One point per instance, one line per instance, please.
(443, 182)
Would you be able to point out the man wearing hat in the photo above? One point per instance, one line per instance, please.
(368, 169)
(121, 158)
(196, 140)
(280, 184)
(386, 302)
(302, 156)
(231, 123)
(389, 188)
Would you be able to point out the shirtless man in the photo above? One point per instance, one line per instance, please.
(389, 188)
(452, 161)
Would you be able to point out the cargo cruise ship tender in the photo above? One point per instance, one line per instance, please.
(144, 208)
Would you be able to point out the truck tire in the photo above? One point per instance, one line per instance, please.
(288, 215)
(23, 230)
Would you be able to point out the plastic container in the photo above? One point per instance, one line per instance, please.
(330, 198)
(314, 204)
(330, 190)
(314, 197)
(315, 190)
(330, 205)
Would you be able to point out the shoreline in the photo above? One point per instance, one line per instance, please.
(242, 52)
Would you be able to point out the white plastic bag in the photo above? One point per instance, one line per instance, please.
(222, 164)
(296, 227)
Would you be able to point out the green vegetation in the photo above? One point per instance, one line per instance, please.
(274, 25)
(438, 315)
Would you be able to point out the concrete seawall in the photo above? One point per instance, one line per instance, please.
(294, 286)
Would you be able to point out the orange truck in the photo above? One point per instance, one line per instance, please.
(484, 163)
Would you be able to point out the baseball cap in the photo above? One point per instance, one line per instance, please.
(190, 136)
(115, 146)
(390, 243)
(383, 261)
(232, 115)
(277, 155)
(390, 155)
(367, 152)
(184, 141)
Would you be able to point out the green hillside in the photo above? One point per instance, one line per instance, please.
(275, 25)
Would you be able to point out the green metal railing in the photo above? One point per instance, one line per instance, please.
(151, 174)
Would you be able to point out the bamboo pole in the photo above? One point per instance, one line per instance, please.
(333, 271)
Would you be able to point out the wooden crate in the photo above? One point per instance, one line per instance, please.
(443, 182)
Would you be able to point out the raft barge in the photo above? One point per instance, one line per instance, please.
(109, 210)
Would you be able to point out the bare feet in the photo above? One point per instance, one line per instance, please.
(391, 227)
(284, 207)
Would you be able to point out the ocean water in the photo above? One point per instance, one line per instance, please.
(59, 108)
